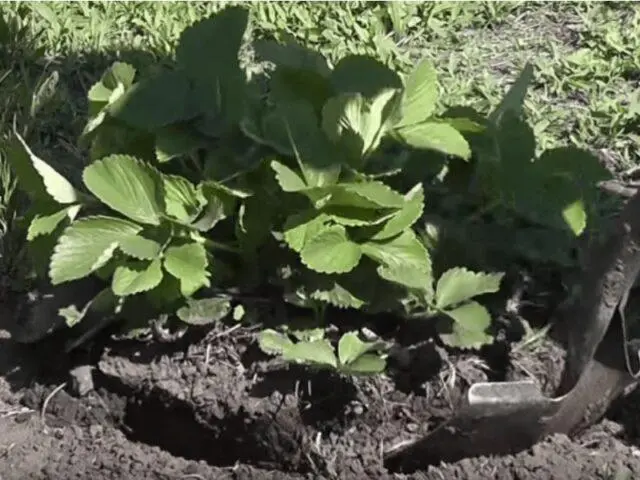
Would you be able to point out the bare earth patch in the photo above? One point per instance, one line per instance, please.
(216, 409)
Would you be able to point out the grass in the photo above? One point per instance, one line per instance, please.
(586, 55)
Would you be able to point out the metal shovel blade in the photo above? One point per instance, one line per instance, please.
(506, 417)
(498, 418)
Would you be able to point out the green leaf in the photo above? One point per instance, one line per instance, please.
(219, 82)
(136, 276)
(166, 295)
(294, 84)
(288, 180)
(574, 165)
(87, 136)
(401, 251)
(292, 55)
(406, 217)
(139, 247)
(72, 316)
(204, 311)
(466, 125)
(348, 290)
(220, 36)
(556, 190)
(338, 294)
(273, 343)
(331, 251)
(119, 73)
(403, 260)
(301, 72)
(350, 347)
(188, 263)
(504, 165)
(576, 217)
(363, 74)
(220, 203)
(303, 333)
(239, 313)
(36, 177)
(551, 201)
(301, 227)
(46, 224)
(417, 277)
(458, 285)
(319, 352)
(183, 201)
(103, 304)
(354, 122)
(174, 141)
(114, 82)
(221, 188)
(156, 102)
(344, 120)
(470, 322)
(44, 93)
(317, 157)
(117, 138)
(356, 217)
(420, 94)
(268, 129)
(383, 109)
(86, 245)
(367, 364)
(514, 98)
(371, 194)
(222, 102)
(438, 136)
(128, 186)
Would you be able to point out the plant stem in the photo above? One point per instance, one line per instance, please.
(194, 159)
(213, 245)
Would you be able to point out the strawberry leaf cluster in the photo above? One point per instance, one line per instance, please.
(344, 186)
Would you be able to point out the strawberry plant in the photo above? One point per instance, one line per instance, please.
(354, 355)
(325, 185)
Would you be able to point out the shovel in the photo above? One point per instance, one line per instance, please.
(506, 417)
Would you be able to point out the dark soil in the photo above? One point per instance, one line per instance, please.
(214, 408)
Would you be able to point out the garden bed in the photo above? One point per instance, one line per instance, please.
(231, 397)
(215, 407)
